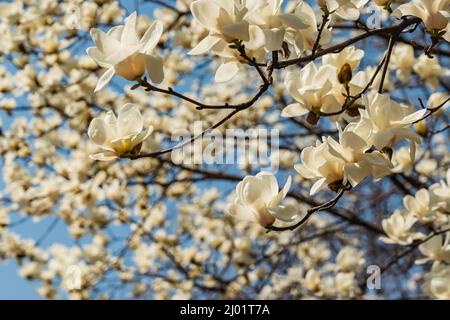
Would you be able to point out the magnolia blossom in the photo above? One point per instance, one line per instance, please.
(389, 121)
(398, 228)
(437, 282)
(259, 200)
(434, 14)
(430, 70)
(349, 55)
(122, 52)
(441, 194)
(419, 205)
(319, 164)
(312, 88)
(225, 21)
(302, 39)
(118, 135)
(346, 161)
(435, 249)
(403, 60)
(267, 16)
(345, 9)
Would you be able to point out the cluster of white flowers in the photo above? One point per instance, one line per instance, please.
(425, 218)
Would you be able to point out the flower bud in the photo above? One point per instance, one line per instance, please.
(421, 127)
(345, 74)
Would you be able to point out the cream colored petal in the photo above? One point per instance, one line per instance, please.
(129, 34)
(206, 13)
(103, 156)
(226, 71)
(274, 38)
(294, 110)
(205, 45)
(129, 120)
(105, 79)
(98, 57)
(319, 185)
(151, 37)
(106, 44)
(155, 68)
(238, 30)
(293, 21)
(97, 131)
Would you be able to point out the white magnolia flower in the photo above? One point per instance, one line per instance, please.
(419, 205)
(354, 142)
(122, 52)
(304, 38)
(118, 136)
(389, 121)
(402, 160)
(345, 9)
(398, 228)
(434, 14)
(312, 88)
(319, 164)
(349, 55)
(437, 282)
(259, 200)
(436, 249)
(403, 61)
(441, 194)
(225, 21)
(430, 70)
(267, 16)
(350, 259)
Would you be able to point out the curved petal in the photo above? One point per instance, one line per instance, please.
(294, 110)
(274, 38)
(155, 68)
(103, 156)
(105, 79)
(129, 120)
(129, 35)
(284, 213)
(98, 57)
(206, 13)
(106, 44)
(97, 131)
(227, 71)
(238, 30)
(151, 37)
(319, 185)
(205, 45)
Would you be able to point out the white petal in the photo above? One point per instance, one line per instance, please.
(97, 131)
(205, 45)
(284, 213)
(293, 21)
(155, 68)
(294, 110)
(227, 71)
(274, 38)
(129, 34)
(151, 37)
(129, 120)
(105, 79)
(240, 212)
(319, 185)
(206, 12)
(103, 156)
(238, 30)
